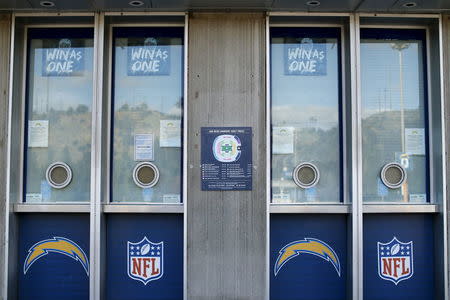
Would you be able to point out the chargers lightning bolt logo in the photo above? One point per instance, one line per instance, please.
(308, 246)
(58, 245)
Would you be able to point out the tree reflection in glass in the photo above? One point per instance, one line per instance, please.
(306, 97)
(394, 112)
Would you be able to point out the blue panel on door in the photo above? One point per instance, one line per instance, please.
(53, 256)
(144, 256)
(308, 257)
(398, 257)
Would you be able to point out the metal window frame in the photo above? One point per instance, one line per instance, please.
(434, 207)
(357, 208)
(23, 101)
(96, 208)
(347, 205)
(409, 207)
(326, 206)
(139, 206)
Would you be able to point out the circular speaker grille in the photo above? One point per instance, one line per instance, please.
(145, 175)
(306, 175)
(393, 175)
(58, 175)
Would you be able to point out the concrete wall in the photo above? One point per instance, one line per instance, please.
(5, 25)
(226, 230)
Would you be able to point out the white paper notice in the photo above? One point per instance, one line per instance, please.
(33, 197)
(415, 141)
(170, 133)
(171, 198)
(418, 198)
(38, 133)
(283, 140)
(143, 147)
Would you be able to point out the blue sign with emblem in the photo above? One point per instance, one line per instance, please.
(144, 256)
(308, 257)
(226, 157)
(395, 260)
(398, 257)
(53, 256)
(145, 260)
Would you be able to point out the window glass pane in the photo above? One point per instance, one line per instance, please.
(306, 97)
(58, 113)
(394, 115)
(147, 113)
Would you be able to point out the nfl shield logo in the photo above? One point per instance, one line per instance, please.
(395, 260)
(145, 260)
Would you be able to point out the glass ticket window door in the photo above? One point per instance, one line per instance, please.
(57, 158)
(147, 93)
(394, 115)
(306, 153)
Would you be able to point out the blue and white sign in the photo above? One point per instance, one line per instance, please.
(308, 257)
(395, 260)
(305, 58)
(144, 257)
(145, 260)
(53, 256)
(64, 60)
(399, 257)
(149, 59)
(226, 158)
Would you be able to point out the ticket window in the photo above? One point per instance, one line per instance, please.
(306, 129)
(147, 114)
(58, 93)
(394, 115)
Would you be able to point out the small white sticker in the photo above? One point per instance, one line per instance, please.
(33, 197)
(38, 134)
(283, 140)
(170, 133)
(415, 141)
(143, 147)
(281, 198)
(418, 198)
(171, 198)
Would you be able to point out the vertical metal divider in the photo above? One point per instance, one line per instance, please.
(96, 154)
(4, 283)
(268, 164)
(443, 80)
(185, 150)
(356, 193)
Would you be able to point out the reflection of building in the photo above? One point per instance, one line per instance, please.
(332, 150)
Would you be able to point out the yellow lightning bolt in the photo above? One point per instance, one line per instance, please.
(57, 245)
(309, 246)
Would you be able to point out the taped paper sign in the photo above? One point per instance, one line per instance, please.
(415, 141)
(143, 147)
(283, 140)
(170, 133)
(38, 134)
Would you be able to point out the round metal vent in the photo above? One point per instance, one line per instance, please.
(145, 175)
(58, 175)
(306, 175)
(393, 175)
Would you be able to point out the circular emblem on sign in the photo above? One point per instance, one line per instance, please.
(65, 43)
(227, 148)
